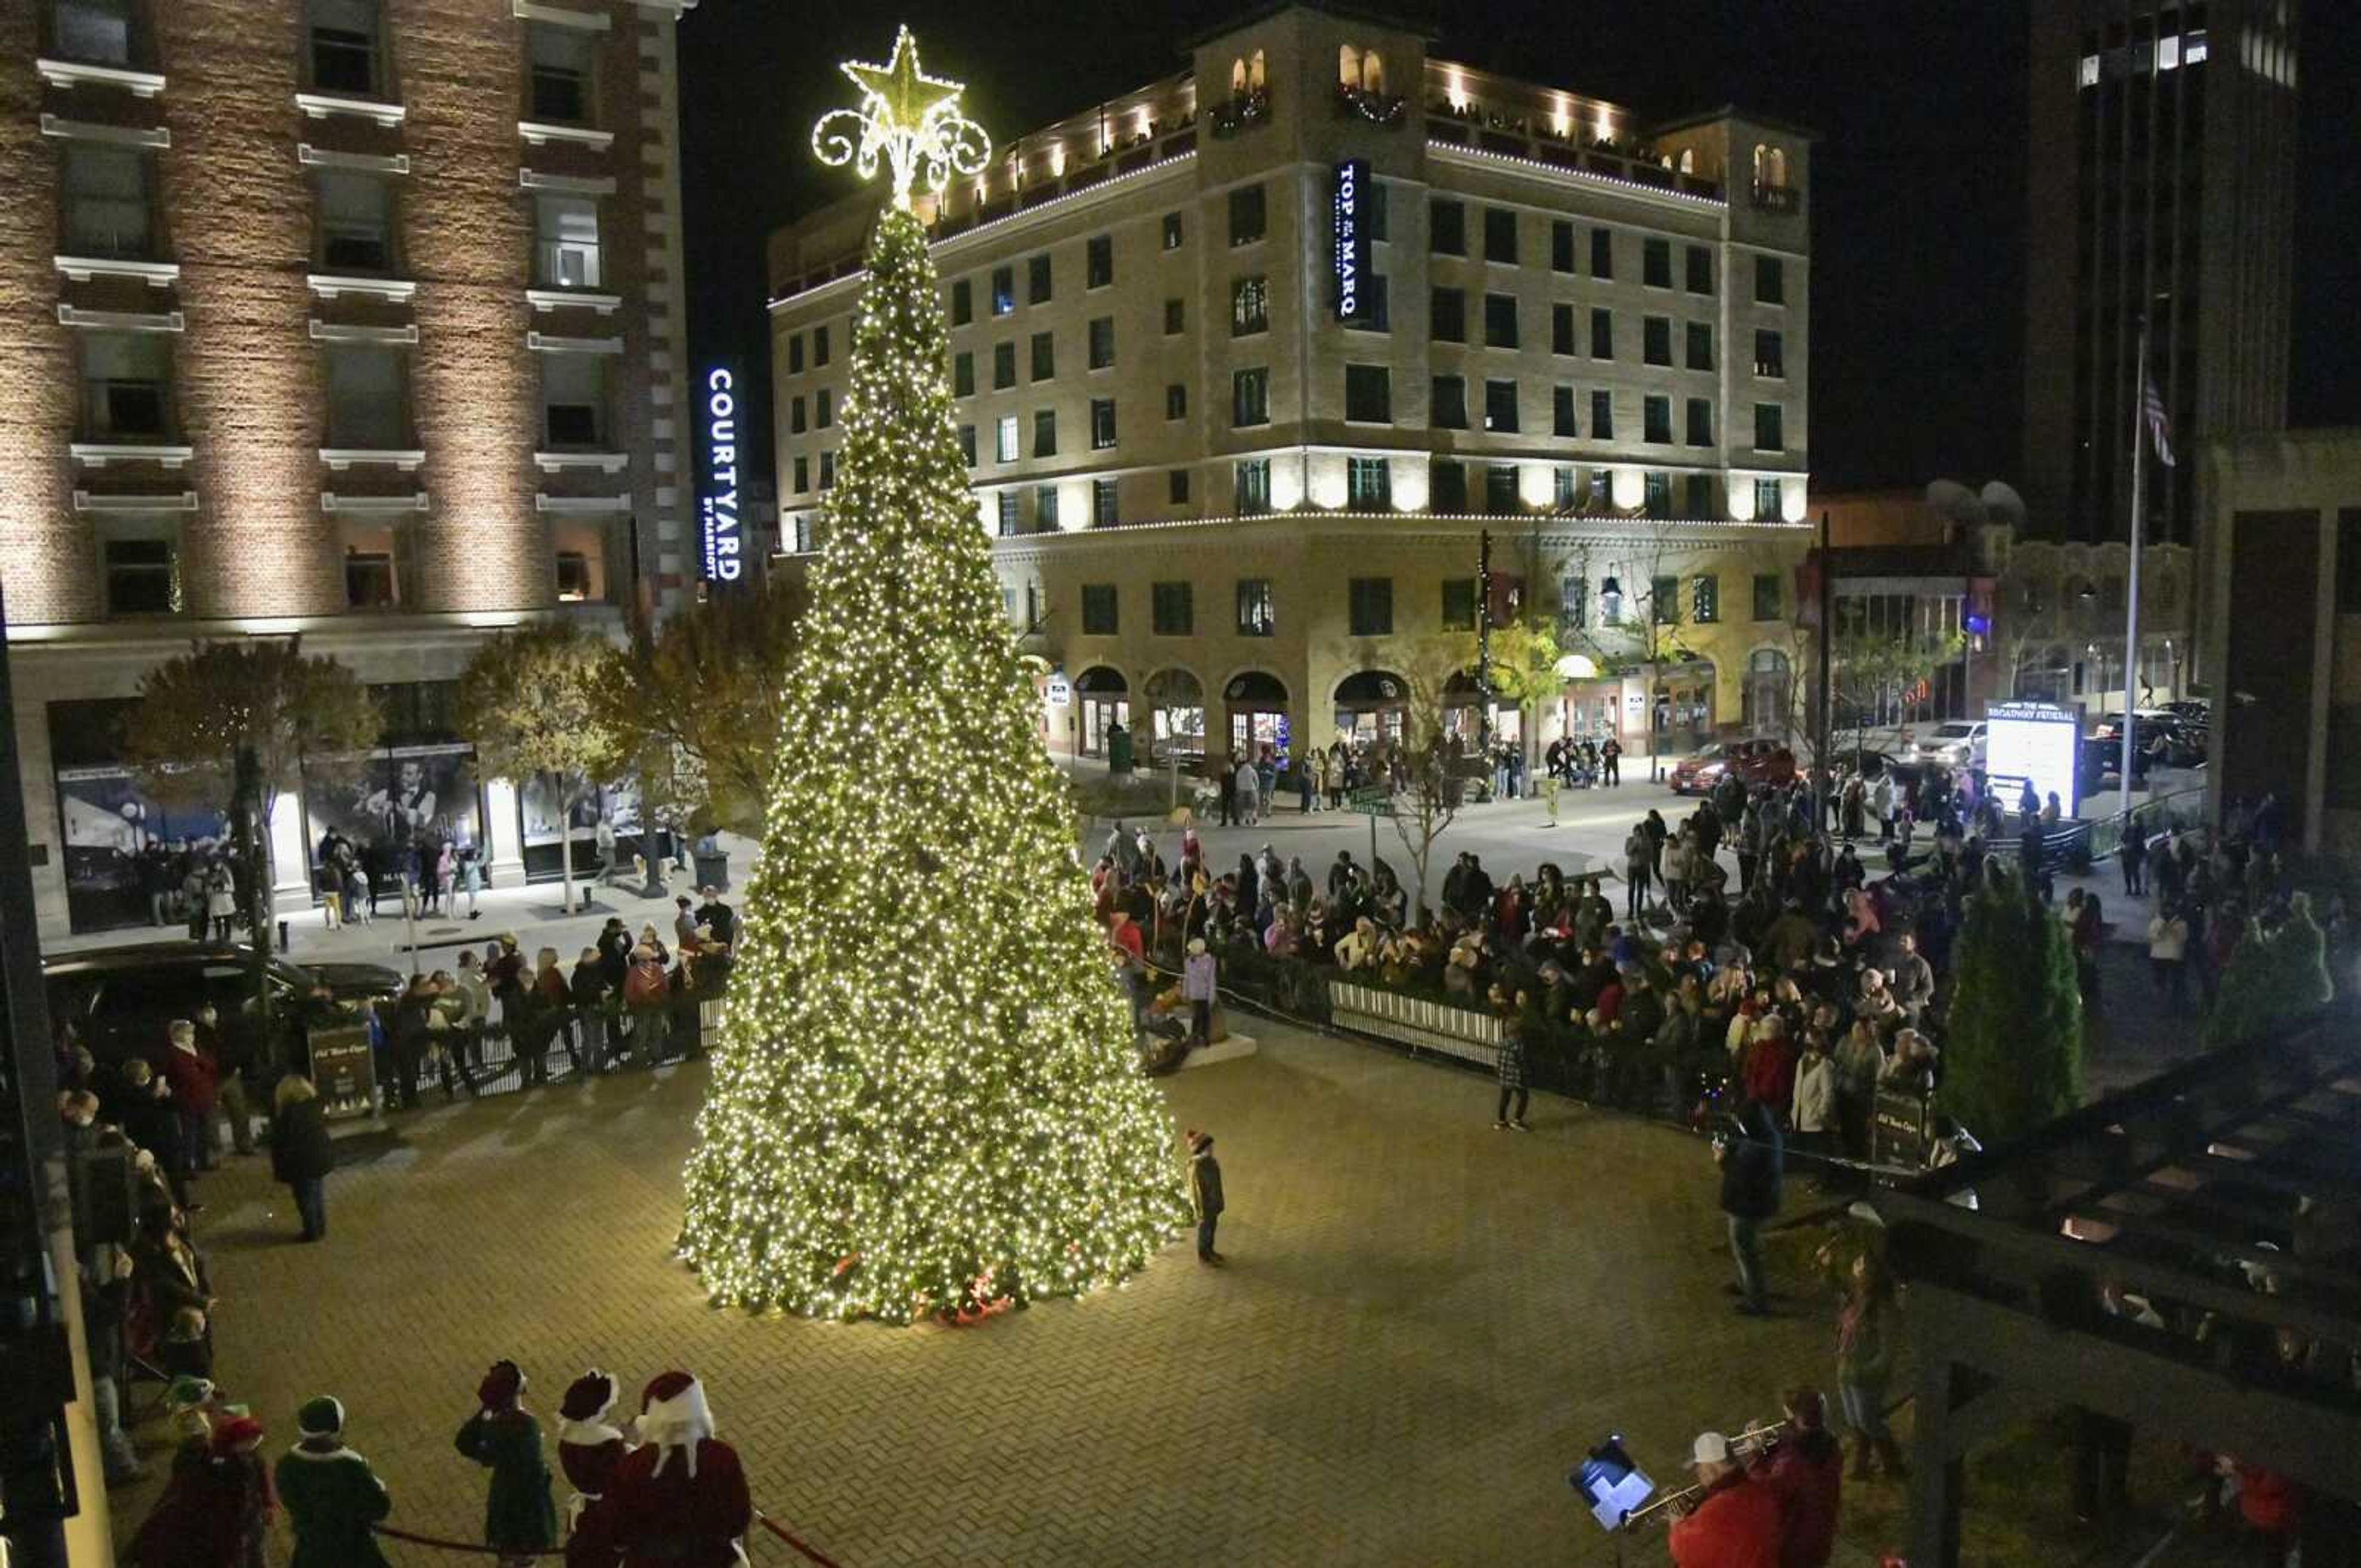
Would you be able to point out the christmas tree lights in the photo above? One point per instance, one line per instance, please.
(924, 1097)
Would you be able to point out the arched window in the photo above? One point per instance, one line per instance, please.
(1348, 66)
(1373, 72)
(1238, 89)
(1778, 169)
(1761, 163)
(1688, 160)
(1254, 72)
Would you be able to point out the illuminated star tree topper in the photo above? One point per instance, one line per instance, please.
(909, 118)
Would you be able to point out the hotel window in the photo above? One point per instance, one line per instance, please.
(1446, 486)
(1368, 484)
(1253, 486)
(1045, 509)
(1501, 406)
(1004, 439)
(823, 408)
(803, 474)
(569, 249)
(1176, 485)
(1770, 356)
(1562, 487)
(1377, 314)
(356, 229)
(1368, 394)
(1045, 433)
(369, 411)
(564, 65)
(967, 444)
(578, 584)
(97, 31)
(1101, 343)
(962, 304)
(820, 346)
(1176, 318)
(1037, 280)
(1699, 500)
(796, 355)
(1250, 397)
(1098, 261)
(1045, 357)
(1104, 503)
(963, 374)
(1602, 253)
(1602, 414)
(142, 561)
(1656, 499)
(1561, 330)
(1447, 404)
(1370, 607)
(370, 582)
(1656, 421)
(1602, 333)
(1656, 263)
(1500, 235)
(1701, 269)
(345, 47)
(1256, 617)
(1446, 228)
(1705, 598)
(1004, 365)
(1249, 306)
(1004, 291)
(1500, 489)
(1561, 412)
(108, 212)
(1572, 589)
(1172, 231)
(827, 470)
(1655, 340)
(1700, 421)
(126, 385)
(1700, 346)
(1770, 280)
(1766, 595)
(1100, 613)
(573, 401)
(1768, 506)
(1561, 244)
(1246, 215)
(1499, 321)
(1011, 522)
(1770, 428)
(1171, 611)
(1459, 604)
(1176, 401)
(1102, 424)
(1447, 315)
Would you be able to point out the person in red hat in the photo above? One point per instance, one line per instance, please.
(679, 1501)
(519, 1519)
(588, 1449)
(215, 1514)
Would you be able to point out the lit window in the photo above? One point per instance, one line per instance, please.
(1249, 306)
(569, 242)
(2088, 75)
(1004, 439)
(2168, 53)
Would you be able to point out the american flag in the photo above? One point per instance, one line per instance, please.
(2159, 424)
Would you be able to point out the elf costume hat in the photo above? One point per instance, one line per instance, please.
(672, 1416)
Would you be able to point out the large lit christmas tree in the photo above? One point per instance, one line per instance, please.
(925, 1097)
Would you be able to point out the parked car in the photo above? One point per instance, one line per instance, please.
(1758, 761)
(2184, 741)
(1956, 744)
(120, 999)
(2099, 765)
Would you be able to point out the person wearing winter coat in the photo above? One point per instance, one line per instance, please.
(2168, 951)
(1198, 987)
(216, 1511)
(302, 1154)
(221, 900)
(519, 1519)
(1736, 1522)
(589, 1449)
(1512, 1073)
(1814, 1115)
(332, 1496)
(1639, 870)
(1205, 1193)
(1866, 1333)
(679, 1501)
(1806, 1473)
(196, 1090)
(1750, 1157)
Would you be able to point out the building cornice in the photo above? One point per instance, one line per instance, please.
(142, 641)
(1422, 528)
(1580, 179)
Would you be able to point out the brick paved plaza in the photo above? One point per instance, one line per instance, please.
(1424, 1323)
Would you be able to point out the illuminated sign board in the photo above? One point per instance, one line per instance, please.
(2032, 741)
(719, 521)
(1354, 301)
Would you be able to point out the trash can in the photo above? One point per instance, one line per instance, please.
(712, 868)
(1119, 751)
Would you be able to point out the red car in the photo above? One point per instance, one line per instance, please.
(1760, 761)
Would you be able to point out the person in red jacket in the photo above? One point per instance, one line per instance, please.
(1805, 1471)
(1738, 1522)
(196, 1084)
(588, 1449)
(677, 1502)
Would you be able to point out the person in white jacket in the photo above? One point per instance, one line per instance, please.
(1815, 1105)
(2168, 950)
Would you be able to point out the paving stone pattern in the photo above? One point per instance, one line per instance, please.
(1424, 1324)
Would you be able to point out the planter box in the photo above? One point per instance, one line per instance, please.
(1462, 1031)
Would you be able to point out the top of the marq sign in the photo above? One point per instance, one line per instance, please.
(909, 117)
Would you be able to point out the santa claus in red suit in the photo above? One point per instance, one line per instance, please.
(678, 1501)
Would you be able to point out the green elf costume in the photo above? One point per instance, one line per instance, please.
(330, 1495)
(519, 1516)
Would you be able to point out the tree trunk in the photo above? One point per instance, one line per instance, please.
(253, 846)
(565, 839)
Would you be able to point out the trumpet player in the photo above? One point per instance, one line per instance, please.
(1736, 1522)
(1804, 1468)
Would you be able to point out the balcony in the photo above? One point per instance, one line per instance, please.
(1386, 109)
(1472, 125)
(1241, 112)
(1777, 199)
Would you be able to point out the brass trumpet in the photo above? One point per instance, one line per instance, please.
(1749, 1445)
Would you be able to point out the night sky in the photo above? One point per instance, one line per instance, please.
(1918, 199)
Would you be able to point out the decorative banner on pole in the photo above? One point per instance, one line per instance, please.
(1351, 236)
(718, 522)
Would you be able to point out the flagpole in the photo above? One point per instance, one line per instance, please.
(2132, 596)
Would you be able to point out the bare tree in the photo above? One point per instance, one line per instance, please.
(1436, 779)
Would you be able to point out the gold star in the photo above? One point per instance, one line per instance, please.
(907, 95)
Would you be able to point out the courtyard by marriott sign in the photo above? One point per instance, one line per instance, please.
(723, 562)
